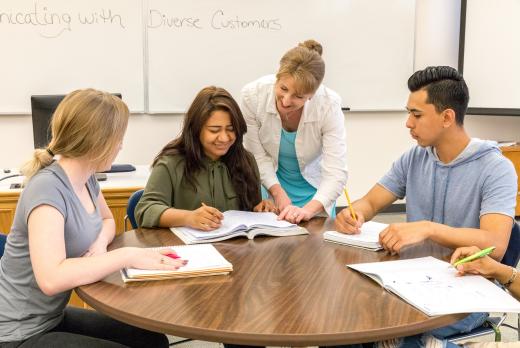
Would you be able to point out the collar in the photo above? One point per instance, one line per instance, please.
(211, 163)
(271, 102)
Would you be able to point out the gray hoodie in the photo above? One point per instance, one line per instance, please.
(479, 181)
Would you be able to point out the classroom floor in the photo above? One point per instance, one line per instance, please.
(508, 334)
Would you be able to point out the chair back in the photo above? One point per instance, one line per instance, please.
(130, 207)
(512, 254)
(3, 239)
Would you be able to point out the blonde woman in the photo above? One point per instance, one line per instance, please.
(60, 233)
(295, 130)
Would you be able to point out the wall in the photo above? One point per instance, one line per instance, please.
(374, 139)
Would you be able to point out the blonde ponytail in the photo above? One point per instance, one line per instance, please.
(41, 158)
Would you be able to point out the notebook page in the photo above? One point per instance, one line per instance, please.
(199, 256)
(248, 218)
(418, 269)
(432, 286)
(455, 294)
(369, 233)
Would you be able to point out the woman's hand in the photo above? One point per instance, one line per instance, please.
(295, 214)
(266, 205)
(205, 218)
(164, 259)
(484, 266)
(281, 199)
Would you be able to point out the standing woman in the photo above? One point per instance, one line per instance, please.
(295, 130)
(60, 233)
(205, 171)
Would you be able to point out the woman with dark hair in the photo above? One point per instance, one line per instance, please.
(204, 171)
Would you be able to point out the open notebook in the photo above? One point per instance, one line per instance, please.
(367, 239)
(240, 223)
(203, 260)
(431, 285)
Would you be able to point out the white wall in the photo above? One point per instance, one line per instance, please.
(374, 139)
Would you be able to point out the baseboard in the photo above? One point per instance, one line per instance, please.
(393, 209)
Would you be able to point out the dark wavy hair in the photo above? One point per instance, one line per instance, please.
(446, 89)
(239, 161)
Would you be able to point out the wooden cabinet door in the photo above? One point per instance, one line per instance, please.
(513, 153)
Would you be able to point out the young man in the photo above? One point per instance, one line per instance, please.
(459, 190)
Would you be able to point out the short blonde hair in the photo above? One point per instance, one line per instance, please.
(305, 65)
(88, 123)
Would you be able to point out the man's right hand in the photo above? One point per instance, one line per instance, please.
(347, 224)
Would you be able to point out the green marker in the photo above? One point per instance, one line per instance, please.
(475, 256)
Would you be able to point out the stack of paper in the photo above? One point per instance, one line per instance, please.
(241, 223)
(367, 239)
(203, 260)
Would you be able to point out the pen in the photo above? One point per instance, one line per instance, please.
(475, 256)
(352, 212)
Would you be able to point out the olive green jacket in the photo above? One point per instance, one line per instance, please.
(166, 188)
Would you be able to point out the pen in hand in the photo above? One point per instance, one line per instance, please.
(475, 256)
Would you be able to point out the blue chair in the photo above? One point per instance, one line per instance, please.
(3, 239)
(492, 324)
(130, 208)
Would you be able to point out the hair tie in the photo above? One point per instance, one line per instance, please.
(50, 152)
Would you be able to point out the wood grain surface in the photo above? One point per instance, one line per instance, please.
(287, 291)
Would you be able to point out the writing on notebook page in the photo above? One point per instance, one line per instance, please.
(432, 286)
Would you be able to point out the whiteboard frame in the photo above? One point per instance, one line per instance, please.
(477, 110)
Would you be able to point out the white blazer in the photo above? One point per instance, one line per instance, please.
(320, 138)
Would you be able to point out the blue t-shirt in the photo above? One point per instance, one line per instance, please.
(479, 181)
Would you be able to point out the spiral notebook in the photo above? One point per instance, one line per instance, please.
(203, 260)
(367, 239)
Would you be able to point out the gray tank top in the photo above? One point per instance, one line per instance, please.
(24, 309)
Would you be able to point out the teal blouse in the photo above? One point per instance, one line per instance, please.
(289, 175)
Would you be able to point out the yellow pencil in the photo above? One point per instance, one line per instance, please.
(352, 212)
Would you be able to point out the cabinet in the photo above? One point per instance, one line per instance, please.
(116, 198)
(513, 153)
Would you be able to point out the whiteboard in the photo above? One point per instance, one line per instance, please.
(491, 60)
(368, 47)
(56, 46)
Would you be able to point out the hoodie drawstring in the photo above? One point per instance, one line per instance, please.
(445, 194)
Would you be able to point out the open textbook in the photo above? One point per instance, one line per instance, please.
(367, 239)
(203, 260)
(431, 285)
(241, 223)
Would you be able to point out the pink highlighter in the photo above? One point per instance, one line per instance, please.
(173, 255)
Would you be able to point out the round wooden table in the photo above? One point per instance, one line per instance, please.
(287, 291)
